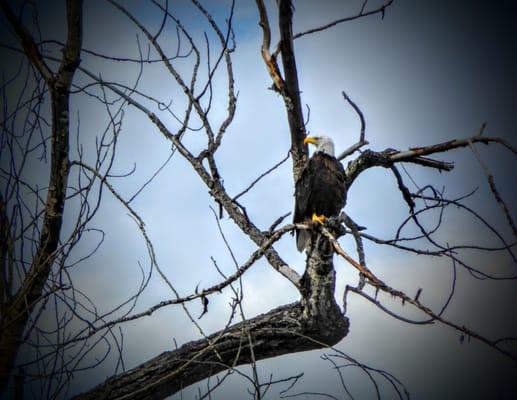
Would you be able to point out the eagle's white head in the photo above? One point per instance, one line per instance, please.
(322, 143)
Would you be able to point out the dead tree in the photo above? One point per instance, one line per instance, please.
(17, 306)
(31, 279)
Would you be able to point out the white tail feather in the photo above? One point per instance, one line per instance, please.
(302, 237)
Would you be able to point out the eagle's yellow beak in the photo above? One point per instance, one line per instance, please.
(310, 139)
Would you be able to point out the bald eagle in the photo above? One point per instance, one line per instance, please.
(320, 191)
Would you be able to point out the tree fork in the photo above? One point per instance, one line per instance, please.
(292, 91)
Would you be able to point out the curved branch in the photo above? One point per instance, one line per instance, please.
(362, 141)
(493, 189)
(270, 60)
(388, 157)
(288, 85)
(281, 331)
(29, 46)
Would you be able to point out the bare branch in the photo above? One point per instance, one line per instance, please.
(256, 255)
(446, 146)
(174, 370)
(494, 190)
(271, 64)
(362, 13)
(291, 94)
(415, 155)
(27, 42)
(22, 304)
(380, 285)
(250, 186)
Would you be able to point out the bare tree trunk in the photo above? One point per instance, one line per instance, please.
(19, 308)
(314, 322)
(292, 96)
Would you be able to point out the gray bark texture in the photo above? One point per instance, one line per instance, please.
(312, 323)
(16, 312)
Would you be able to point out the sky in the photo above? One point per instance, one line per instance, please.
(428, 72)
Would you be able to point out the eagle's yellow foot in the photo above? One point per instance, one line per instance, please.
(319, 218)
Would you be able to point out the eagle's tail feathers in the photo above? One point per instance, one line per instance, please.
(302, 237)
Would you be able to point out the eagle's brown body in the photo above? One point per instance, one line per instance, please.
(320, 190)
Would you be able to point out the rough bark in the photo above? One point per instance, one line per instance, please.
(281, 331)
(314, 322)
(19, 308)
(292, 91)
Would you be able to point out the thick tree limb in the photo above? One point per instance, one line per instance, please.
(314, 322)
(388, 157)
(445, 146)
(292, 99)
(281, 331)
(18, 310)
(287, 86)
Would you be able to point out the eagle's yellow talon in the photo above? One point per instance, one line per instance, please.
(320, 219)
